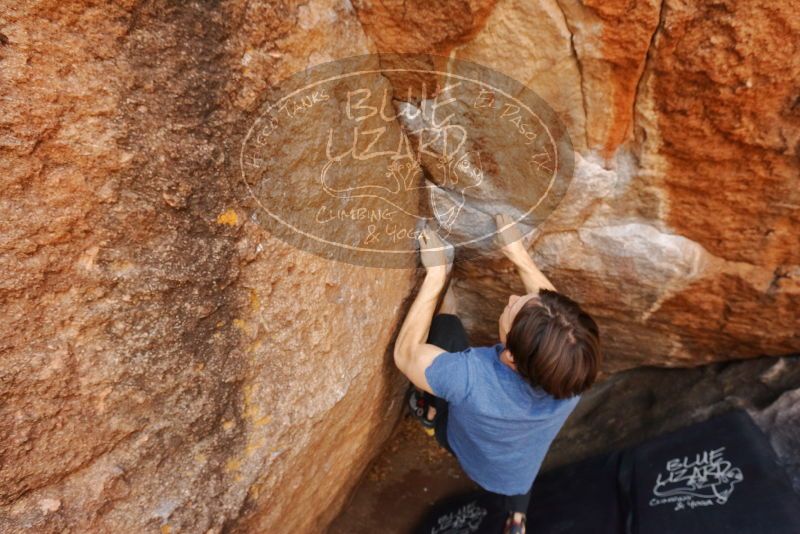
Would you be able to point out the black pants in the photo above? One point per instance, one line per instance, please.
(448, 333)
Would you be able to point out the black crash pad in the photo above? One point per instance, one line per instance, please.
(718, 476)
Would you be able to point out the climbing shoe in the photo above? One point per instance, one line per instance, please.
(514, 525)
(418, 404)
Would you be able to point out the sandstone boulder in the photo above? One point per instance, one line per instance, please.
(168, 365)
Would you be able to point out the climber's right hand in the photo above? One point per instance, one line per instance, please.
(509, 239)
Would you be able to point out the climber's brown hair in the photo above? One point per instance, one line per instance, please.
(555, 345)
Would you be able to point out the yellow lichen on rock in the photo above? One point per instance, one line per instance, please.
(228, 217)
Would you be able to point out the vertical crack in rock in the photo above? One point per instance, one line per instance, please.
(648, 58)
(579, 67)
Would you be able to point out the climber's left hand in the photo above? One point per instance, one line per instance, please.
(435, 253)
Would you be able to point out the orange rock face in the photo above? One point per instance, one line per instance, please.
(169, 365)
(729, 121)
(435, 28)
(681, 231)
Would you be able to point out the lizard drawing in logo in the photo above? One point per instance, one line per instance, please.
(707, 476)
(404, 175)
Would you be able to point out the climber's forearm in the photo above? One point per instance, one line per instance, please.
(532, 278)
(414, 331)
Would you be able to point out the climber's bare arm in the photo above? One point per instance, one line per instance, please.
(532, 278)
(411, 354)
(514, 249)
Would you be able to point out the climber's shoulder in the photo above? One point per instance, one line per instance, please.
(422, 357)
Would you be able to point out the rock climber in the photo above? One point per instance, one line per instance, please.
(497, 408)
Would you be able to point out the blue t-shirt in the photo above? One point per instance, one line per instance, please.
(499, 426)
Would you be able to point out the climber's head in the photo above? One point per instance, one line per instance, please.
(551, 342)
